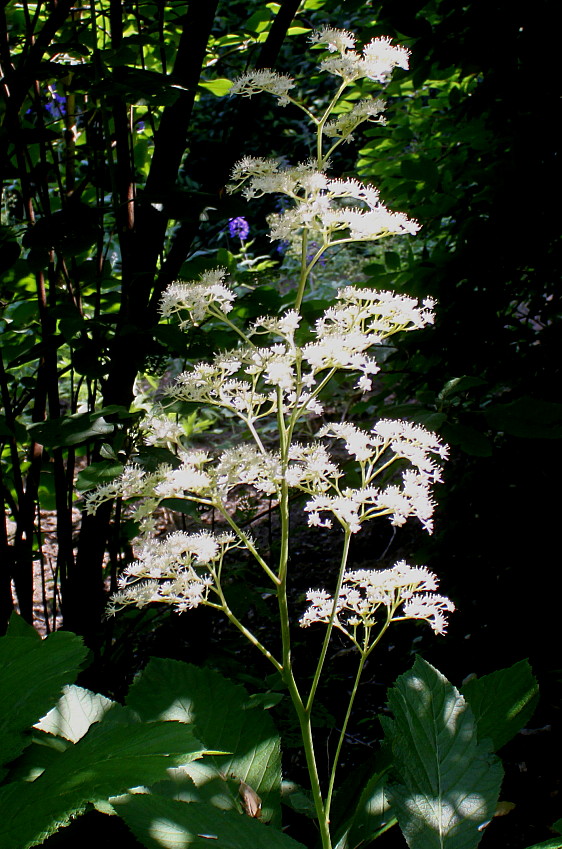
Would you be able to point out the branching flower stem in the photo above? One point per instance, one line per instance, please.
(221, 316)
(304, 272)
(245, 631)
(322, 160)
(247, 542)
(365, 650)
(330, 624)
(303, 713)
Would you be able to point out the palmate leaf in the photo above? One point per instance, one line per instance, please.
(116, 753)
(32, 675)
(223, 719)
(160, 823)
(447, 783)
(502, 702)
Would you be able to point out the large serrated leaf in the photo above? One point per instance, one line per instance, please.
(447, 783)
(223, 719)
(168, 824)
(32, 675)
(502, 702)
(116, 753)
(74, 712)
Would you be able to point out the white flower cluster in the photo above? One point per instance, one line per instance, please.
(365, 591)
(309, 468)
(160, 430)
(196, 298)
(172, 570)
(343, 126)
(327, 206)
(246, 381)
(133, 483)
(264, 80)
(375, 452)
(376, 62)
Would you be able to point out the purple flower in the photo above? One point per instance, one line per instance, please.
(238, 227)
(56, 106)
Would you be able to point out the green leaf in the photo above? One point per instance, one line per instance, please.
(74, 712)
(218, 87)
(295, 797)
(69, 430)
(181, 505)
(223, 719)
(259, 21)
(32, 674)
(458, 385)
(470, 440)
(529, 418)
(420, 169)
(392, 260)
(96, 474)
(554, 843)
(115, 754)
(78, 428)
(18, 627)
(502, 702)
(447, 782)
(168, 824)
(370, 814)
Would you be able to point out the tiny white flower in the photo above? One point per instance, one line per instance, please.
(264, 80)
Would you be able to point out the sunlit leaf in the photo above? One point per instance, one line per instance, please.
(445, 783)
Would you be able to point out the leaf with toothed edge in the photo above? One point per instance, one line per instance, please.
(446, 783)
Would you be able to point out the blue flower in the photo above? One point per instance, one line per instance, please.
(238, 227)
(56, 106)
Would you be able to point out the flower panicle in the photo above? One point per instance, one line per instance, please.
(176, 570)
(197, 297)
(376, 62)
(318, 202)
(345, 124)
(368, 596)
(264, 80)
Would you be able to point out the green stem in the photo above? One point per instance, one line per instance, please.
(221, 316)
(343, 731)
(367, 649)
(302, 713)
(321, 160)
(255, 435)
(247, 542)
(303, 272)
(308, 744)
(248, 634)
(330, 625)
